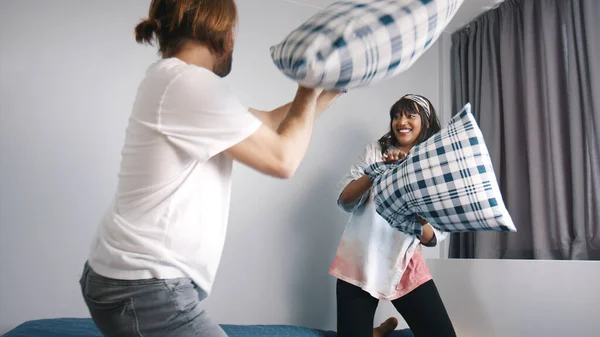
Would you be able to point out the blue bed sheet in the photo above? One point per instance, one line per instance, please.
(83, 327)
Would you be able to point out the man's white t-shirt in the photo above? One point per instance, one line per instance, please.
(169, 216)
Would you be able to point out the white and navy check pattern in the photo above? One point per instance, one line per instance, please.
(354, 43)
(447, 180)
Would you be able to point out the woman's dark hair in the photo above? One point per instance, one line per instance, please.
(173, 22)
(430, 124)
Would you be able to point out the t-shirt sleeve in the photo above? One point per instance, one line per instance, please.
(200, 115)
(368, 157)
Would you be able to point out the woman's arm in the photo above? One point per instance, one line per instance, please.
(355, 185)
(355, 190)
(359, 184)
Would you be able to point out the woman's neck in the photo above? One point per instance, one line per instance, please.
(404, 149)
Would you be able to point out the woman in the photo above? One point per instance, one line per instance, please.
(376, 262)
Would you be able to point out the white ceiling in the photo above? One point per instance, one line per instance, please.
(469, 10)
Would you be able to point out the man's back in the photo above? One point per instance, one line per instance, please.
(169, 215)
(159, 244)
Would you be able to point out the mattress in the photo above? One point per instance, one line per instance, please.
(84, 327)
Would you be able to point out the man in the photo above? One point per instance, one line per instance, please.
(159, 244)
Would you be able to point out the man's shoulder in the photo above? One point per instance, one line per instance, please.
(173, 71)
(187, 84)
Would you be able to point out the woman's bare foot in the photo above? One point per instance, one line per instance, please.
(386, 327)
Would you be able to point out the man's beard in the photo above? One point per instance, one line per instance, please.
(223, 66)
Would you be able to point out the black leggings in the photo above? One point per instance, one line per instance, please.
(422, 309)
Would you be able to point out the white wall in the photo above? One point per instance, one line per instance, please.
(520, 298)
(68, 75)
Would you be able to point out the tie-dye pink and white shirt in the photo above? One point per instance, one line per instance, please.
(382, 261)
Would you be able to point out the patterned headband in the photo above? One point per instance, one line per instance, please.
(421, 101)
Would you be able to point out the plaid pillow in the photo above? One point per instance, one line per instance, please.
(447, 180)
(355, 43)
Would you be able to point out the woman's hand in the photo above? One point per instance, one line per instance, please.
(393, 155)
(428, 233)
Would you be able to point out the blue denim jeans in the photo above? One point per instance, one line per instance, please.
(146, 308)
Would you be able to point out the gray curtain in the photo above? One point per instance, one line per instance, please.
(531, 70)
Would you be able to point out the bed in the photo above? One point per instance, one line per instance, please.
(84, 327)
